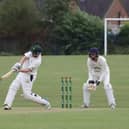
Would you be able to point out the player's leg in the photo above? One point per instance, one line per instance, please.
(36, 98)
(11, 94)
(109, 92)
(28, 94)
(86, 95)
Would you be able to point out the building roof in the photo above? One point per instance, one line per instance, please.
(100, 7)
(125, 4)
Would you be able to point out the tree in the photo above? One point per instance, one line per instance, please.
(18, 17)
(123, 36)
(55, 9)
(119, 43)
(86, 32)
(76, 33)
(53, 13)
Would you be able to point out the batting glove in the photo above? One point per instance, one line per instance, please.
(16, 67)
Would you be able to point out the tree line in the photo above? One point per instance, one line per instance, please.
(52, 23)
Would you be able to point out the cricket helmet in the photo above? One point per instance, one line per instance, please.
(36, 49)
(93, 51)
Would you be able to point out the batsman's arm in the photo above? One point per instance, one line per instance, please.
(27, 70)
(23, 59)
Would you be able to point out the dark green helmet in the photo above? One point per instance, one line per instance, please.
(36, 49)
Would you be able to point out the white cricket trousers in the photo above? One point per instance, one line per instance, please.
(107, 87)
(26, 82)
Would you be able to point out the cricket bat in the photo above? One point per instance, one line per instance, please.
(7, 75)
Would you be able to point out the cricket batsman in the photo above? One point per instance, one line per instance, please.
(98, 71)
(27, 69)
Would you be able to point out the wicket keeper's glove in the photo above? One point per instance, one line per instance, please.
(91, 85)
(97, 83)
(91, 81)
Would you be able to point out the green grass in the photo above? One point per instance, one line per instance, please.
(28, 115)
(35, 118)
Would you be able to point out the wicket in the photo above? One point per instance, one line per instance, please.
(66, 92)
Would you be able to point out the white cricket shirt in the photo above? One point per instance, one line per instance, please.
(99, 68)
(32, 62)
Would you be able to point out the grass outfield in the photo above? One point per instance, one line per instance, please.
(54, 67)
(37, 118)
(28, 115)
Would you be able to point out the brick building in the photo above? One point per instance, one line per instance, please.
(105, 8)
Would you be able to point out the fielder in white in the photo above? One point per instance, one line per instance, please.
(27, 68)
(98, 72)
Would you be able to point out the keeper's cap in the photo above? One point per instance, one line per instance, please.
(93, 51)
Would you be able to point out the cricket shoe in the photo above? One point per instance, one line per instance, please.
(6, 107)
(112, 106)
(48, 106)
(84, 106)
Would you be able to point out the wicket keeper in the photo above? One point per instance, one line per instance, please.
(27, 69)
(98, 71)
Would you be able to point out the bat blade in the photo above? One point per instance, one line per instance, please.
(7, 75)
